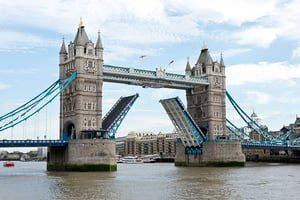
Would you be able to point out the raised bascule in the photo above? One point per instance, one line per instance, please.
(87, 138)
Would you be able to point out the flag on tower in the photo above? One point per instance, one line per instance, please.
(171, 62)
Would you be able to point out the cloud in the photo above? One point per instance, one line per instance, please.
(232, 52)
(263, 72)
(296, 52)
(258, 97)
(140, 21)
(22, 42)
(255, 36)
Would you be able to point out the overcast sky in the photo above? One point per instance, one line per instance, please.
(260, 42)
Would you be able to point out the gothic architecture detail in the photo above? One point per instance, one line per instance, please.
(81, 102)
(207, 104)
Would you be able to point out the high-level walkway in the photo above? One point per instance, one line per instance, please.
(153, 79)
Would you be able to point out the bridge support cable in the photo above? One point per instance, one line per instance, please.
(250, 138)
(288, 134)
(30, 103)
(190, 133)
(36, 104)
(113, 119)
(265, 134)
(236, 134)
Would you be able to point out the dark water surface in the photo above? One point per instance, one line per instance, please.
(30, 180)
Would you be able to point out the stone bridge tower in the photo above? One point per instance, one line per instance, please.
(207, 104)
(81, 110)
(81, 102)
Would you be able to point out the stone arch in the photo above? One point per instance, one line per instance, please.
(69, 131)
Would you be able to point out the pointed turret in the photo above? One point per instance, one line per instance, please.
(99, 47)
(222, 61)
(188, 69)
(63, 54)
(63, 47)
(99, 43)
(81, 38)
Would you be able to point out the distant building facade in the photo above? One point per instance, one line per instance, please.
(147, 143)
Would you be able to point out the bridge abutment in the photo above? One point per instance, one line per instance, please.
(83, 155)
(214, 153)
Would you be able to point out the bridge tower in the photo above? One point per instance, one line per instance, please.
(81, 102)
(81, 108)
(207, 106)
(207, 103)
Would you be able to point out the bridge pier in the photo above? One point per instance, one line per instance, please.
(83, 155)
(214, 153)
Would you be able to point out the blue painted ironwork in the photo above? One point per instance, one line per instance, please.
(183, 122)
(199, 135)
(250, 138)
(26, 110)
(273, 139)
(113, 124)
(271, 146)
(32, 143)
(288, 134)
(193, 151)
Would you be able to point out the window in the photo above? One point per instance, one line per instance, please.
(90, 64)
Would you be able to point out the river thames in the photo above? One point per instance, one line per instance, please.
(30, 181)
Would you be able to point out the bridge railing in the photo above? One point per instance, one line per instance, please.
(153, 74)
(32, 143)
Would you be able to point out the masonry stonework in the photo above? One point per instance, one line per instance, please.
(81, 109)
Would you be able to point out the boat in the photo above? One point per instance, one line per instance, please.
(148, 159)
(119, 159)
(8, 164)
(132, 160)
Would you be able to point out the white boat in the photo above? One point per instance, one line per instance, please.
(148, 160)
(132, 160)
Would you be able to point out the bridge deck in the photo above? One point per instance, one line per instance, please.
(32, 143)
(112, 120)
(191, 135)
(271, 146)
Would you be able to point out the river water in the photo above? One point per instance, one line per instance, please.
(30, 181)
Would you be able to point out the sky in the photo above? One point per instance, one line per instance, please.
(259, 40)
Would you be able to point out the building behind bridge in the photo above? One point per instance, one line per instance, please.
(147, 143)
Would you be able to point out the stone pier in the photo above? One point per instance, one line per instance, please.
(214, 153)
(83, 155)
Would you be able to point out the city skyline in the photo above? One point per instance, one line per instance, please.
(259, 44)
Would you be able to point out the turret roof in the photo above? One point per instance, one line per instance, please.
(188, 66)
(81, 38)
(63, 47)
(99, 43)
(205, 57)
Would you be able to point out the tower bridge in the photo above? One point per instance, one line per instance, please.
(200, 124)
(87, 139)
